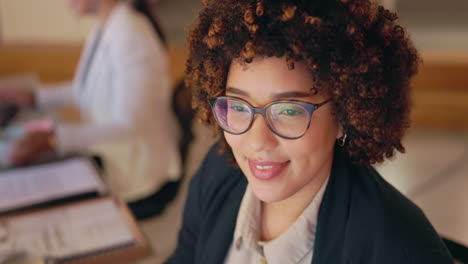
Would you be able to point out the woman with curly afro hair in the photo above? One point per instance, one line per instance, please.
(307, 96)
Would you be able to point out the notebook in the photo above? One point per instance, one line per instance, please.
(53, 183)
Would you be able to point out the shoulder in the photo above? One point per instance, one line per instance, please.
(393, 222)
(124, 17)
(129, 31)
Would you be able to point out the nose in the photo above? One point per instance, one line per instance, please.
(260, 137)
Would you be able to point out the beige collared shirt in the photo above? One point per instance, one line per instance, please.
(295, 246)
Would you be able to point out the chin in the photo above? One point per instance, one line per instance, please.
(268, 193)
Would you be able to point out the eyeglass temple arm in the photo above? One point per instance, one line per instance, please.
(322, 103)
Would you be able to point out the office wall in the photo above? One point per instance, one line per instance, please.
(51, 21)
(41, 22)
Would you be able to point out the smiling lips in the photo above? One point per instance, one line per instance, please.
(266, 170)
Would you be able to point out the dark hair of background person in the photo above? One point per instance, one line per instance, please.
(357, 54)
(144, 7)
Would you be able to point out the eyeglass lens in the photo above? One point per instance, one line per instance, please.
(286, 119)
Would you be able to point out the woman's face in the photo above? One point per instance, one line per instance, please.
(278, 168)
(83, 7)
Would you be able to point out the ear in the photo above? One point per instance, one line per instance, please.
(339, 131)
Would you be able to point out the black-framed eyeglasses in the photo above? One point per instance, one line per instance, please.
(288, 119)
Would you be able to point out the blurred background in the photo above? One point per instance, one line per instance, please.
(44, 37)
(31, 31)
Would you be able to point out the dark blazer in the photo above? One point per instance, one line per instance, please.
(362, 218)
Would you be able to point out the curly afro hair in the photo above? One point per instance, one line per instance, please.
(357, 55)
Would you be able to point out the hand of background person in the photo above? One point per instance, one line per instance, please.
(7, 113)
(12, 98)
(31, 146)
(11, 94)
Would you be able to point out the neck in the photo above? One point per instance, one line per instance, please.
(277, 217)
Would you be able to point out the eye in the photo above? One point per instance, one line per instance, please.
(238, 108)
(291, 112)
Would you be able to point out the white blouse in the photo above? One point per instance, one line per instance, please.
(126, 102)
(295, 246)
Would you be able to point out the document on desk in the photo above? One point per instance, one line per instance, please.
(25, 187)
(71, 232)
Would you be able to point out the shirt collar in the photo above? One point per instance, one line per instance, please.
(247, 231)
(289, 247)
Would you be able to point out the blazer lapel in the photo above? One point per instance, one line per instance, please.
(333, 213)
(85, 55)
(219, 240)
(99, 36)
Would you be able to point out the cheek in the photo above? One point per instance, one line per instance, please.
(234, 141)
(239, 149)
(315, 146)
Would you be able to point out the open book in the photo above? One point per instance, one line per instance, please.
(40, 185)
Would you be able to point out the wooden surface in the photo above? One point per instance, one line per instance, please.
(51, 63)
(440, 89)
(55, 63)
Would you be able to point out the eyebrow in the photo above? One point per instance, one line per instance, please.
(293, 94)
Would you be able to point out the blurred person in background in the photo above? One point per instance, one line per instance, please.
(123, 89)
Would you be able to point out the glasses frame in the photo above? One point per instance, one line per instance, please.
(262, 110)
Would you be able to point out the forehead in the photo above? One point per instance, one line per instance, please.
(265, 77)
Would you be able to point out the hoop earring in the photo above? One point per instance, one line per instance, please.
(342, 140)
